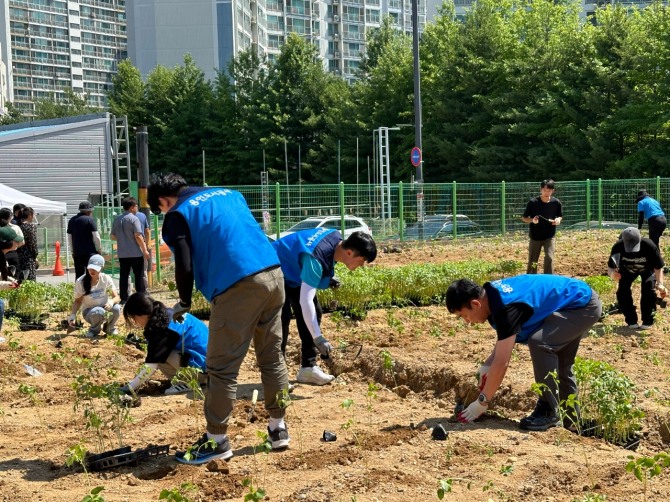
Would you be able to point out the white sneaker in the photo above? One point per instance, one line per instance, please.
(314, 375)
(178, 388)
(644, 326)
(633, 326)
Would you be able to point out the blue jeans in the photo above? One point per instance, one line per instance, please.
(96, 317)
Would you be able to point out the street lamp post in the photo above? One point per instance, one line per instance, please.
(417, 112)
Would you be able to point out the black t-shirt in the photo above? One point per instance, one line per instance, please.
(546, 211)
(647, 259)
(81, 227)
(508, 319)
(161, 341)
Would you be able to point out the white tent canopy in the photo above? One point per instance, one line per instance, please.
(9, 196)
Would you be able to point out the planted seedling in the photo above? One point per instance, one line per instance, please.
(284, 401)
(254, 493)
(181, 494)
(646, 468)
(189, 376)
(388, 365)
(445, 486)
(188, 454)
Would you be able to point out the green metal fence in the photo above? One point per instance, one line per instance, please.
(495, 208)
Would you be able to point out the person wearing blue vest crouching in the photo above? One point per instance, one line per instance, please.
(650, 209)
(308, 263)
(217, 244)
(170, 344)
(550, 314)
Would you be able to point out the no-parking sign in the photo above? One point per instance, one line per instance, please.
(415, 156)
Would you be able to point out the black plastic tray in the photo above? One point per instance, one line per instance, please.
(123, 456)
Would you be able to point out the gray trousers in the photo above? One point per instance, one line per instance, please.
(96, 317)
(250, 310)
(534, 248)
(554, 346)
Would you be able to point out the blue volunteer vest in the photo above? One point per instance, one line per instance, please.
(319, 243)
(546, 294)
(194, 334)
(227, 244)
(650, 207)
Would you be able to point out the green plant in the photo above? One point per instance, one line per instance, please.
(188, 454)
(506, 470)
(607, 397)
(645, 468)
(388, 365)
(284, 401)
(394, 323)
(180, 494)
(190, 377)
(601, 284)
(351, 426)
(591, 497)
(445, 486)
(254, 493)
(435, 332)
(371, 395)
(94, 495)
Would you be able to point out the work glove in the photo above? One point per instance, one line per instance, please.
(482, 372)
(125, 389)
(334, 283)
(323, 345)
(71, 318)
(472, 412)
(179, 310)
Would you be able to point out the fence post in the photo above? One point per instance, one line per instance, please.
(588, 203)
(341, 197)
(658, 188)
(157, 245)
(278, 208)
(401, 210)
(453, 208)
(600, 202)
(502, 208)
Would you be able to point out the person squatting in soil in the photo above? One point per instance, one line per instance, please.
(91, 293)
(170, 345)
(650, 209)
(308, 262)
(217, 243)
(550, 314)
(634, 256)
(544, 213)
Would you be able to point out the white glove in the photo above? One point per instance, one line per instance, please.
(178, 312)
(481, 376)
(71, 318)
(323, 345)
(472, 412)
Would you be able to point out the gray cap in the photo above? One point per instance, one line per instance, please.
(631, 239)
(85, 206)
(96, 262)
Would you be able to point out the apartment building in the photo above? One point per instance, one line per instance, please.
(215, 31)
(52, 45)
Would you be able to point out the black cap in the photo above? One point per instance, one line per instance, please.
(85, 206)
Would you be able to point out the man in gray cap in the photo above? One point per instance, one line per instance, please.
(82, 232)
(631, 257)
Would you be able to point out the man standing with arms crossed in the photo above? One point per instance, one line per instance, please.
(544, 213)
(217, 243)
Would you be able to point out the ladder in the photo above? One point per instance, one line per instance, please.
(120, 156)
(384, 173)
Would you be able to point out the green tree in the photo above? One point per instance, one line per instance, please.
(127, 96)
(69, 105)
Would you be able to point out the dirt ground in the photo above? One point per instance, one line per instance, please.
(384, 450)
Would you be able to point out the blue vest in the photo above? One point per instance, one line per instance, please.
(650, 207)
(194, 334)
(227, 244)
(319, 243)
(545, 293)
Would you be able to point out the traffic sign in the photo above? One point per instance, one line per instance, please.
(415, 156)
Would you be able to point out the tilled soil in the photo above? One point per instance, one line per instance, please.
(382, 413)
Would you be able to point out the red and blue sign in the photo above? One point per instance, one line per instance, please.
(415, 156)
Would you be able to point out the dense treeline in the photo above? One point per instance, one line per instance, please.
(518, 90)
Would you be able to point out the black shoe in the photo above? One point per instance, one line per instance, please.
(543, 417)
(202, 452)
(279, 438)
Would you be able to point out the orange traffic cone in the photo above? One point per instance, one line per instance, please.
(58, 268)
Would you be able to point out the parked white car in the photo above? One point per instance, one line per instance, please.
(351, 224)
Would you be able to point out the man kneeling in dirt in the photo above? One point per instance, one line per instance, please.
(550, 313)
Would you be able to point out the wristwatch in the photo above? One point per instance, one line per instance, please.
(482, 399)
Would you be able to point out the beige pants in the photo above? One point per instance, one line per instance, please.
(248, 310)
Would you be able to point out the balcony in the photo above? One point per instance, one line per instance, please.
(37, 6)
